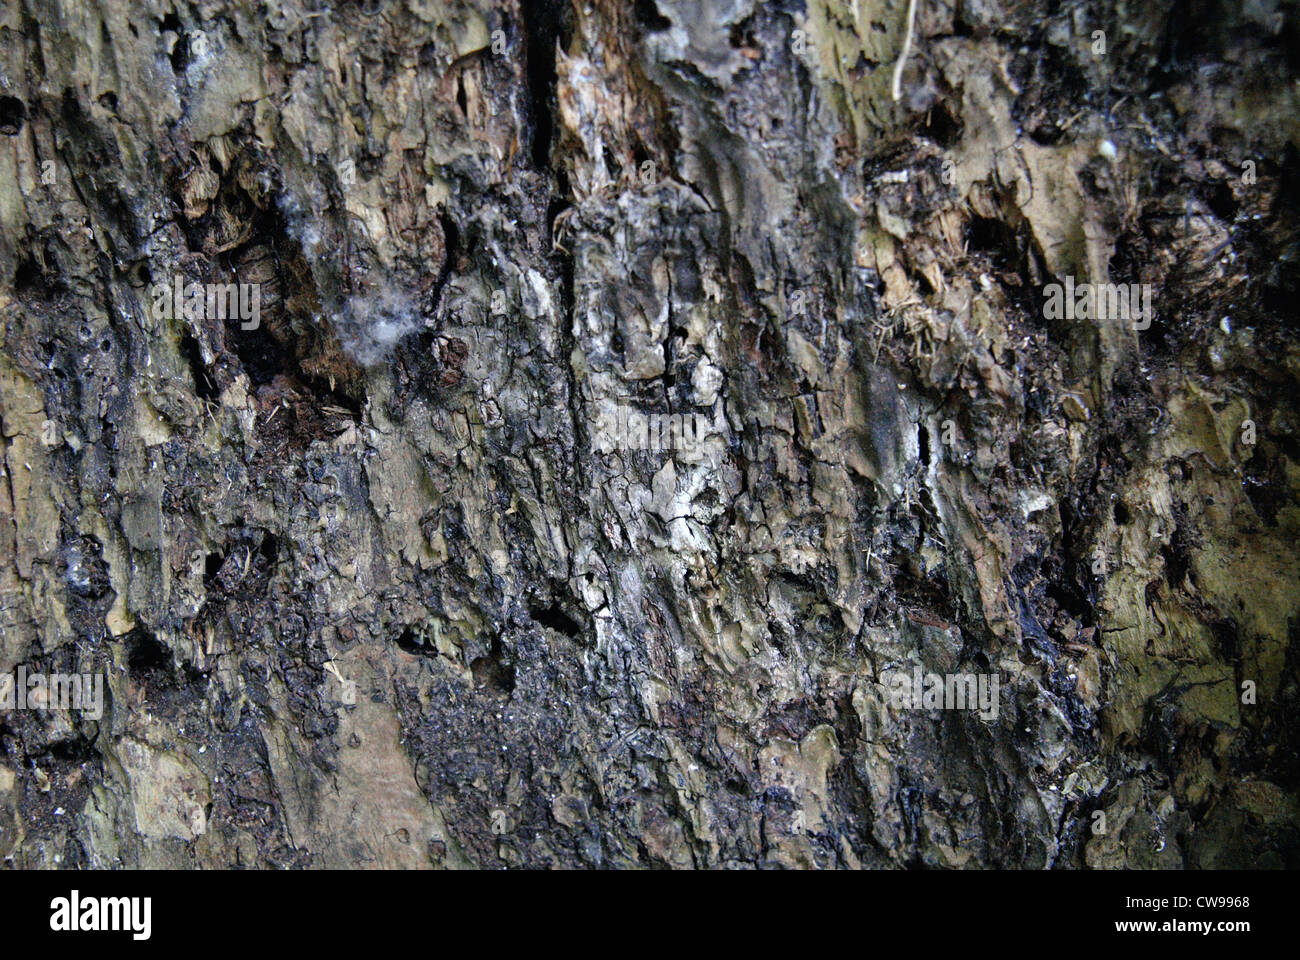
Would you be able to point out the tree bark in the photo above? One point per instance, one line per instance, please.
(382, 571)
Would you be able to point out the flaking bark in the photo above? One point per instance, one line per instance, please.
(371, 587)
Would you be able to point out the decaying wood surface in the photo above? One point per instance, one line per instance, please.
(370, 584)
